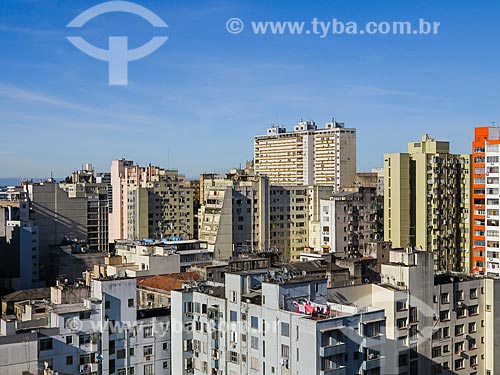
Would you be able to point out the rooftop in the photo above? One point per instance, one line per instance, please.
(167, 282)
(448, 278)
(28, 294)
(69, 308)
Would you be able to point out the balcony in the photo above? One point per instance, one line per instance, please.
(377, 340)
(374, 363)
(327, 351)
(341, 370)
(88, 368)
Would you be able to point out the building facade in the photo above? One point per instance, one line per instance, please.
(19, 243)
(349, 219)
(96, 190)
(485, 201)
(427, 200)
(254, 326)
(308, 155)
(149, 202)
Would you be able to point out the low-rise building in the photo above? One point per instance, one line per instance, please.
(266, 322)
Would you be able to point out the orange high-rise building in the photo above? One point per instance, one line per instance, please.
(485, 201)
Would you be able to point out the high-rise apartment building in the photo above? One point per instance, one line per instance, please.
(242, 213)
(149, 202)
(426, 202)
(308, 155)
(234, 216)
(96, 190)
(18, 243)
(349, 219)
(486, 200)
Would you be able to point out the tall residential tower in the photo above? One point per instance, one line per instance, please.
(426, 202)
(486, 200)
(308, 155)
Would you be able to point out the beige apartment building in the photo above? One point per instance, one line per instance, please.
(427, 200)
(243, 213)
(308, 155)
(234, 215)
(149, 202)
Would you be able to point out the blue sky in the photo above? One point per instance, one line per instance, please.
(196, 103)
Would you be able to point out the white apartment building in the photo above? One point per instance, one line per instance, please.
(103, 334)
(491, 230)
(308, 155)
(443, 324)
(253, 326)
(150, 257)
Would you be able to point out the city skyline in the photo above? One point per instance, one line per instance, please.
(209, 92)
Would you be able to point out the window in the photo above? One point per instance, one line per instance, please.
(233, 357)
(459, 347)
(444, 315)
(120, 354)
(69, 360)
(233, 316)
(148, 331)
(232, 296)
(461, 312)
(473, 310)
(84, 315)
(46, 344)
(445, 297)
(285, 329)
(437, 334)
(285, 351)
(69, 340)
(254, 322)
(459, 364)
(473, 360)
(436, 352)
(413, 332)
(459, 295)
(401, 306)
(459, 330)
(148, 350)
(446, 332)
(130, 302)
(85, 359)
(472, 327)
(148, 369)
(413, 315)
(254, 342)
(165, 364)
(402, 323)
(472, 343)
(372, 329)
(402, 360)
(165, 346)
